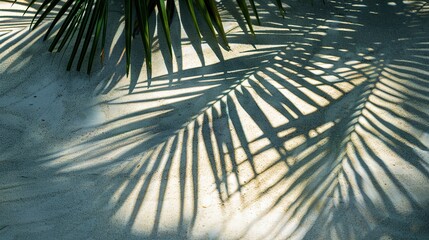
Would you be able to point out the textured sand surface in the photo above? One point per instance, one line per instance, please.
(316, 128)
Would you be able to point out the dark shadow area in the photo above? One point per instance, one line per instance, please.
(319, 132)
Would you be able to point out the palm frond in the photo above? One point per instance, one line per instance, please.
(83, 24)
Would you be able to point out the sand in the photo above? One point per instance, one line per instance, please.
(315, 128)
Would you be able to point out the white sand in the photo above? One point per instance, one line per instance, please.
(319, 131)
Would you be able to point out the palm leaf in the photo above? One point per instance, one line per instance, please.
(189, 4)
(142, 17)
(85, 23)
(243, 6)
(165, 23)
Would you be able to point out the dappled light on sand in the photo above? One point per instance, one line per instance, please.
(319, 130)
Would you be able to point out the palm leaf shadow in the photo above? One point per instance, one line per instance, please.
(309, 128)
(328, 137)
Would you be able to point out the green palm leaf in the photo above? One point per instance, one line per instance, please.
(84, 22)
